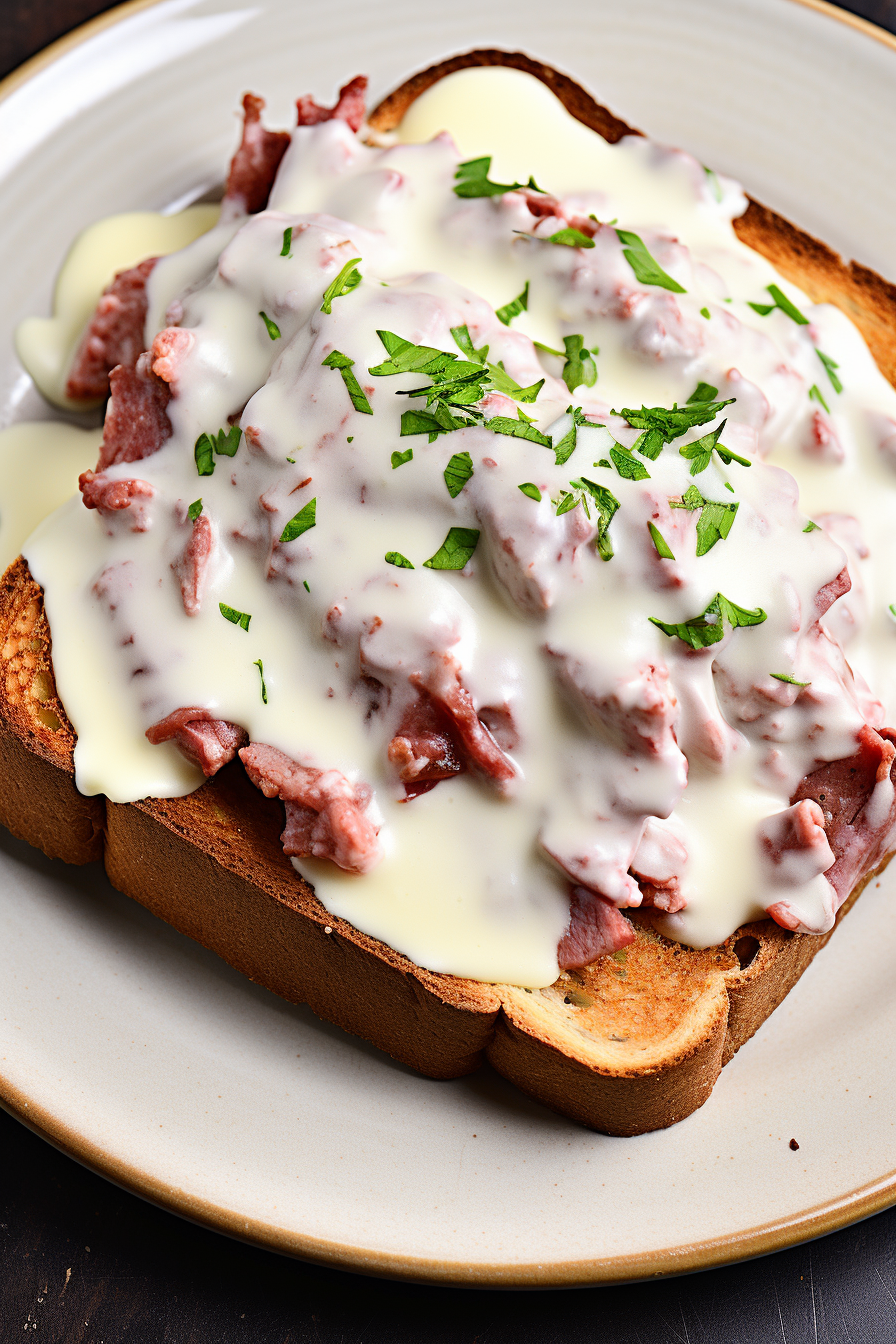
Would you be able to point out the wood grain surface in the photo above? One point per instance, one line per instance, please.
(82, 1262)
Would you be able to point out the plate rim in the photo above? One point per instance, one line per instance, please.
(816, 1221)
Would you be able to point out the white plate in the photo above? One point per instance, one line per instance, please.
(151, 1060)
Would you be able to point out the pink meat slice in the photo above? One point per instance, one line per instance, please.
(254, 165)
(136, 423)
(425, 750)
(596, 929)
(192, 565)
(447, 692)
(350, 106)
(114, 335)
(326, 815)
(208, 742)
(111, 496)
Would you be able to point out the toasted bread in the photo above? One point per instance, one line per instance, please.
(633, 1042)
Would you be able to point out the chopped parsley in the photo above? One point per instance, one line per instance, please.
(661, 425)
(501, 381)
(348, 279)
(224, 443)
(715, 521)
(194, 510)
(240, 618)
(815, 395)
(627, 464)
(531, 490)
(285, 252)
(273, 329)
(564, 450)
(811, 527)
(701, 450)
(791, 681)
(704, 312)
(337, 360)
(780, 300)
(517, 429)
(563, 237)
(580, 367)
(455, 550)
(471, 180)
(399, 459)
(457, 473)
(714, 183)
(582, 492)
(396, 558)
(663, 549)
(264, 690)
(647, 270)
(464, 343)
(699, 632)
(513, 309)
(302, 522)
(291, 459)
(703, 392)
(306, 585)
(406, 357)
(830, 366)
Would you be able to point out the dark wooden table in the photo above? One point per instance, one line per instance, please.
(82, 1261)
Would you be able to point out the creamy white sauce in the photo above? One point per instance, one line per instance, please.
(464, 883)
(39, 468)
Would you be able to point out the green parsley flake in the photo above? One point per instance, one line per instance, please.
(780, 301)
(646, 269)
(240, 618)
(830, 366)
(532, 490)
(396, 558)
(337, 360)
(464, 343)
(700, 633)
(399, 459)
(517, 429)
(815, 395)
(306, 585)
(285, 252)
(704, 312)
(513, 309)
(291, 459)
(580, 367)
(194, 510)
(661, 425)
(627, 464)
(472, 180)
(715, 521)
(564, 449)
(224, 443)
(663, 549)
(348, 279)
(264, 690)
(457, 473)
(456, 550)
(811, 527)
(583, 491)
(792, 681)
(303, 521)
(714, 182)
(273, 329)
(703, 392)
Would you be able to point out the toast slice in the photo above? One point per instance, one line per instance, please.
(633, 1042)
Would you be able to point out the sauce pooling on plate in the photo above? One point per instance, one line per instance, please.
(478, 531)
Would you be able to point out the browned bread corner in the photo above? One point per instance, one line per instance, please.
(632, 1043)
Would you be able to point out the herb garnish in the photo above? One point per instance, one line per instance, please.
(830, 366)
(224, 443)
(582, 491)
(815, 395)
(792, 681)
(563, 237)
(780, 301)
(464, 343)
(472, 180)
(663, 549)
(399, 459)
(645, 267)
(306, 585)
(457, 473)
(337, 360)
(699, 632)
(455, 550)
(396, 558)
(811, 527)
(715, 521)
(517, 429)
(513, 309)
(703, 392)
(580, 367)
(627, 464)
(302, 522)
(701, 451)
(714, 182)
(264, 690)
(347, 280)
(661, 425)
(501, 381)
(704, 312)
(273, 329)
(240, 618)
(285, 252)
(194, 510)
(532, 490)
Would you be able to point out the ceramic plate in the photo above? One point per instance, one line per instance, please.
(151, 1060)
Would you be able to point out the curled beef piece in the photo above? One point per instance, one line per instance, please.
(206, 741)
(443, 685)
(114, 335)
(111, 497)
(136, 423)
(350, 106)
(658, 862)
(425, 749)
(254, 165)
(596, 928)
(192, 565)
(169, 349)
(325, 814)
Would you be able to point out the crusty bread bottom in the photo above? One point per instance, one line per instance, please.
(631, 1043)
